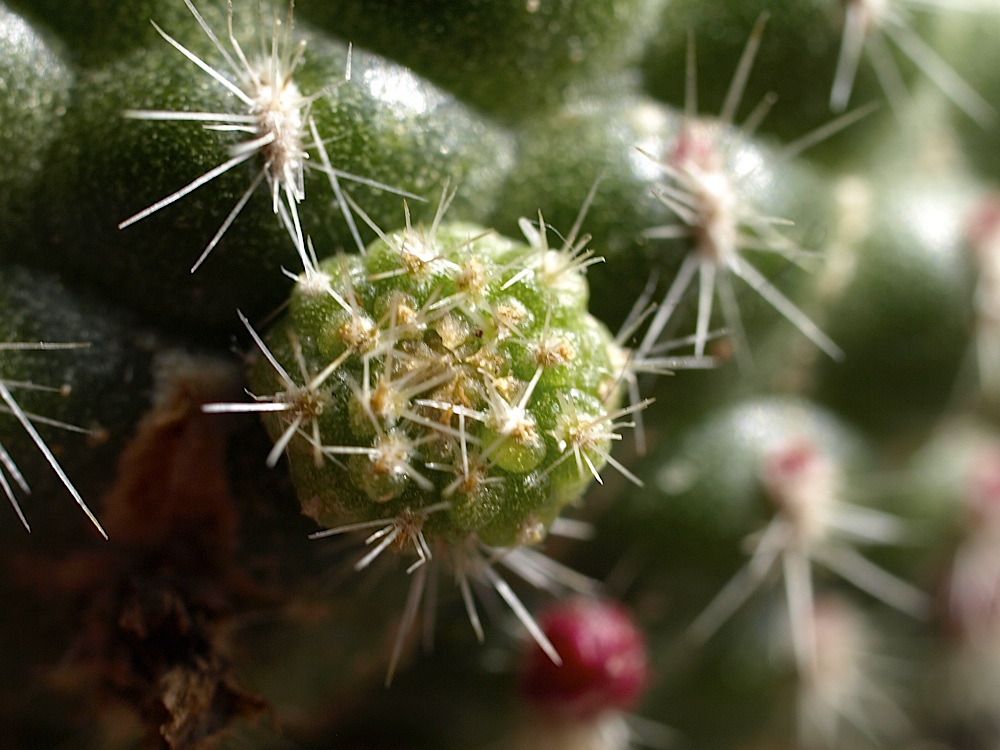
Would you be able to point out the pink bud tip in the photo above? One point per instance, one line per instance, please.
(605, 665)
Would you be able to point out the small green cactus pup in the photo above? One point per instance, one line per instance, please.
(449, 390)
(449, 376)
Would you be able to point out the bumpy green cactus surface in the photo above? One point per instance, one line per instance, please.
(337, 339)
(444, 365)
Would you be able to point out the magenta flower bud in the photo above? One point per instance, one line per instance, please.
(604, 660)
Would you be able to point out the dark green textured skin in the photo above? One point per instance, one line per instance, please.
(413, 143)
(35, 83)
(510, 58)
(96, 31)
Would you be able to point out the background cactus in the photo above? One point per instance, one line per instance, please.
(317, 308)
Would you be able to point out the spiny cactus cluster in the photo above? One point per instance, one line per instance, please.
(447, 389)
(443, 365)
(293, 296)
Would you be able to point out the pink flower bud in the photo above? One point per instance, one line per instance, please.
(604, 660)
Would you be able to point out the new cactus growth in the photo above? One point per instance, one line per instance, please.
(447, 389)
(447, 364)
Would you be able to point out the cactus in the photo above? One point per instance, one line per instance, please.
(306, 307)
